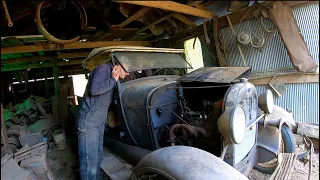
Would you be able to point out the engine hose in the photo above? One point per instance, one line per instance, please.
(194, 130)
(51, 38)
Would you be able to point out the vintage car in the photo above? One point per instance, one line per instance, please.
(206, 124)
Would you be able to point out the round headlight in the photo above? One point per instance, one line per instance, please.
(232, 125)
(238, 125)
(265, 101)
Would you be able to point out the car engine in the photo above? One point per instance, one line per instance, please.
(197, 126)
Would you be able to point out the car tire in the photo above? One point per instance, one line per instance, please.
(184, 162)
(289, 147)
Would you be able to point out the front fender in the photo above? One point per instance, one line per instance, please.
(278, 117)
(268, 143)
(269, 133)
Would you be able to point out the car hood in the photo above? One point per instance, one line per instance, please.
(217, 74)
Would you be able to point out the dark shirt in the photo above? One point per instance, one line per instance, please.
(100, 81)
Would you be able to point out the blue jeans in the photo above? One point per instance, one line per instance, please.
(90, 142)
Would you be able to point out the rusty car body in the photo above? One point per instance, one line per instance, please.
(167, 121)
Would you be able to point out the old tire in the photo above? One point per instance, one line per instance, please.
(184, 162)
(288, 147)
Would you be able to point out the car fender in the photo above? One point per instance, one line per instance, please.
(278, 117)
(269, 131)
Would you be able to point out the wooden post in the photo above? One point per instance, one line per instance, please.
(46, 81)
(4, 132)
(56, 76)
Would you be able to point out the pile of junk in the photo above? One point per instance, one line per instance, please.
(25, 130)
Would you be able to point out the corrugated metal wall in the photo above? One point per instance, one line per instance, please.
(301, 99)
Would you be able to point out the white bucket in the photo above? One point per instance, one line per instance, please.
(59, 138)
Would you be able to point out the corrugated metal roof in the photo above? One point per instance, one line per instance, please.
(301, 99)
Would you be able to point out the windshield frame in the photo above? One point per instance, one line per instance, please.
(146, 68)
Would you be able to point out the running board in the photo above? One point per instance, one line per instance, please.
(115, 167)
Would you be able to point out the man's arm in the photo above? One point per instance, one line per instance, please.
(101, 81)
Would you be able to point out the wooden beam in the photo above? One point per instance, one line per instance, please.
(25, 12)
(110, 36)
(4, 134)
(24, 37)
(158, 21)
(45, 58)
(287, 78)
(187, 34)
(25, 59)
(173, 6)
(221, 60)
(311, 130)
(46, 80)
(184, 19)
(201, 6)
(56, 76)
(77, 45)
(73, 55)
(68, 71)
(238, 45)
(148, 26)
(135, 16)
(236, 16)
(43, 65)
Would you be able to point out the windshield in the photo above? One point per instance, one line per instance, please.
(136, 61)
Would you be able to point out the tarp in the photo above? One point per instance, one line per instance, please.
(297, 49)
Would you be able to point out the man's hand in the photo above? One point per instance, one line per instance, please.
(115, 73)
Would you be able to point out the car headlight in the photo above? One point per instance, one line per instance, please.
(265, 102)
(232, 124)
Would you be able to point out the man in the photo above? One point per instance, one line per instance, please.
(91, 118)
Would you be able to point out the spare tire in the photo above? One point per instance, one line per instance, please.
(185, 163)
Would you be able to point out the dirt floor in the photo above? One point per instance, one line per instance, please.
(64, 164)
(299, 172)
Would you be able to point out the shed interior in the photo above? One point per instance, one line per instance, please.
(49, 40)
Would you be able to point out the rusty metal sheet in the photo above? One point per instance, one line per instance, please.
(217, 74)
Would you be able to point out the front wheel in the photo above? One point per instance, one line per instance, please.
(287, 146)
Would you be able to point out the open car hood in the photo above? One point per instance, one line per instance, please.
(217, 74)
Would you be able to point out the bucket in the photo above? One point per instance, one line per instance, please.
(59, 138)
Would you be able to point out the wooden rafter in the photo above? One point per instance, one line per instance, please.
(37, 65)
(159, 21)
(25, 12)
(45, 58)
(135, 16)
(77, 45)
(173, 6)
(201, 6)
(237, 16)
(184, 19)
(288, 79)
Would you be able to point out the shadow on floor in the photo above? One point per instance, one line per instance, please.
(64, 163)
